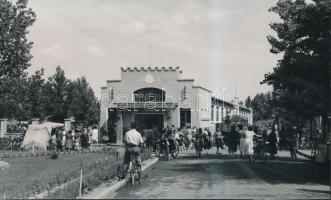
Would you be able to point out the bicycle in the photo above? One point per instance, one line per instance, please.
(260, 150)
(163, 149)
(134, 170)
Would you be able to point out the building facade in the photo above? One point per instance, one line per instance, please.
(159, 97)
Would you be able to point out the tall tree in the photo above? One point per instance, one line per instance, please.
(248, 102)
(15, 19)
(56, 92)
(82, 103)
(301, 77)
(36, 97)
(262, 105)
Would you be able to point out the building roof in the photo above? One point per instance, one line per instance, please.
(152, 69)
(113, 80)
(191, 79)
(201, 88)
(229, 104)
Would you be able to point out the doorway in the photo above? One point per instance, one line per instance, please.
(148, 120)
(185, 117)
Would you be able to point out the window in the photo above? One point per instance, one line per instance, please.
(149, 94)
(212, 113)
(217, 113)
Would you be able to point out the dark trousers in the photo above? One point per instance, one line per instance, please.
(129, 152)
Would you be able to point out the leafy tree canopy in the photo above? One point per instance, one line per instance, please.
(15, 19)
(301, 77)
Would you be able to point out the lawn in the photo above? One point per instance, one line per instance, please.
(30, 175)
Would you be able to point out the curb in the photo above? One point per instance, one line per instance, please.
(116, 184)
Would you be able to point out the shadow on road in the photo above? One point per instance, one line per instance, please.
(317, 191)
(282, 170)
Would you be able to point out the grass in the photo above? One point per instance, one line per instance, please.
(28, 176)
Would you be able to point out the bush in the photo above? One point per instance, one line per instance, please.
(93, 176)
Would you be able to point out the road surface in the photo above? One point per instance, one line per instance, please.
(218, 176)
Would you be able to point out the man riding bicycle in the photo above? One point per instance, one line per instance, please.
(132, 141)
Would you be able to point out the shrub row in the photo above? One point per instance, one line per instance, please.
(7, 154)
(34, 189)
(93, 177)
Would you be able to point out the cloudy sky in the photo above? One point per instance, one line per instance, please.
(220, 43)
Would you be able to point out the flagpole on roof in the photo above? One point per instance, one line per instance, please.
(150, 51)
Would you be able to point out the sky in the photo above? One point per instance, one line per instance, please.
(219, 43)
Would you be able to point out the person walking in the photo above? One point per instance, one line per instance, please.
(64, 135)
(199, 142)
(218, 140)
(291, 140)
(95, 134)
(242, 140)
(206, 140)
(189, 138)
(249, 144)
(59, 136)
(53, 140)
(273, 143)
(232, 141)
(194, 133)
(69, 140)
(84, 139)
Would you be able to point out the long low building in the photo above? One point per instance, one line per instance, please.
(160, 97)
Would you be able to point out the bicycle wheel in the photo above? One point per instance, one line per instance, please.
(157, 151)
(166, 154)
(177, 152)
(132, 178)
(137, 172)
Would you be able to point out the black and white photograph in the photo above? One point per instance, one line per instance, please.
(165, 99)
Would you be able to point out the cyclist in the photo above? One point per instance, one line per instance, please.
(132, 141)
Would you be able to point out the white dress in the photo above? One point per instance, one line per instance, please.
(242, 141)
(249, 142)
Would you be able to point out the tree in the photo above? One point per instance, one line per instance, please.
(301, 77)
(262, 105)
(67, 98)
(36, 97)
(248, 102)
(56, 93)
(12, 97)
(82, 103)
(14, 55)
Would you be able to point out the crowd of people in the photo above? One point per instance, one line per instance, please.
(249, 139)
(243, 139)
(74, 139)
(181, 137)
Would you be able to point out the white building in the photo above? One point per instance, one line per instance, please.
(159, 96)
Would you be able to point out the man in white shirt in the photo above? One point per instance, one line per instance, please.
(132, 141)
